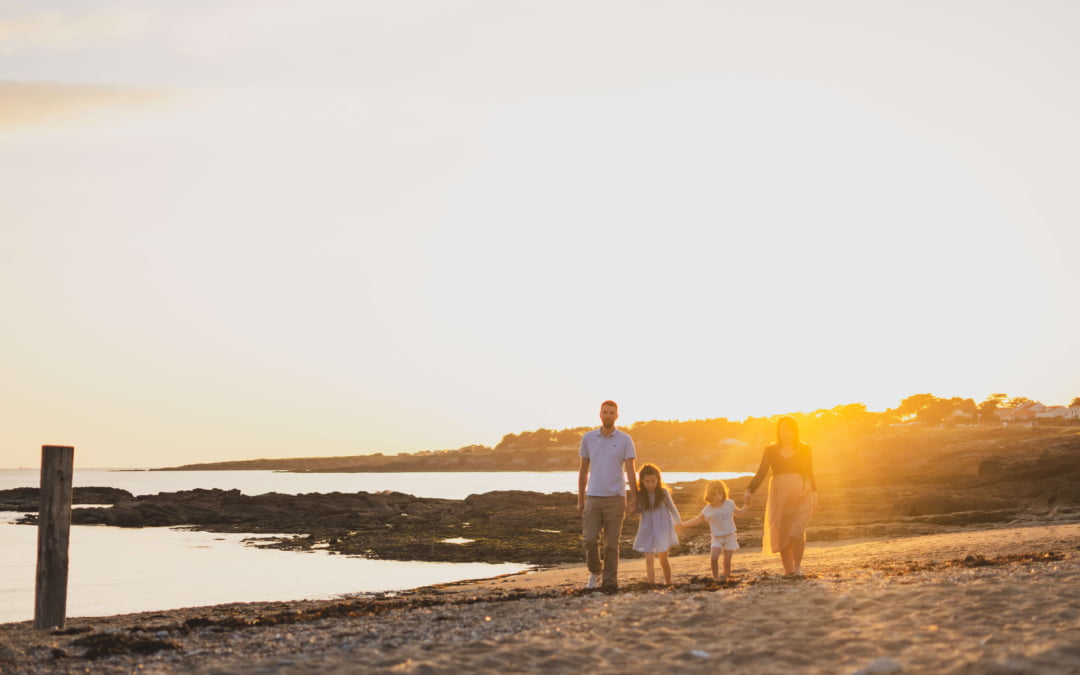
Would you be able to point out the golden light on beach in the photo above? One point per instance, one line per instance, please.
(496, 336)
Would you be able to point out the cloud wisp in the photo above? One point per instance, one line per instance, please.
(35, 104)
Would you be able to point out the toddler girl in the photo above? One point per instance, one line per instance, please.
(656, 530)
(719, 514)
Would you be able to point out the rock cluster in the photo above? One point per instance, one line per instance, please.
(25, 499)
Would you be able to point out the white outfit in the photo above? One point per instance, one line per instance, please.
(721, 520)
(656, 530)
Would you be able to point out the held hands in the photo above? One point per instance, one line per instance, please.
(748, 498)
(696, 520)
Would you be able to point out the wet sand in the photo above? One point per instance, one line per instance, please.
(1003, 600)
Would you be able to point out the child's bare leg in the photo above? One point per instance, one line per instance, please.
(715, 560)
(666, 566)
(727, 563)
(650, 569)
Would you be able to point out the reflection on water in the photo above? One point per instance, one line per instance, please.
(117, 571)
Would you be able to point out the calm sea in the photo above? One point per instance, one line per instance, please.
(442, 485)
(118, 570)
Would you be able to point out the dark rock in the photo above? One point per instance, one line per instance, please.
(113, 643)
(71, 630)
(25, 499)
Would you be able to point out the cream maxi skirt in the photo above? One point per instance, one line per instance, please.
(787, 511)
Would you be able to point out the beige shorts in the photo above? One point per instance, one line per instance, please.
(727, 542)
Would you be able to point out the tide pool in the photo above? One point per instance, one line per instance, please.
(116, 570)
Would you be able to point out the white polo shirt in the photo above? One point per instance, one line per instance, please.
(606, 455)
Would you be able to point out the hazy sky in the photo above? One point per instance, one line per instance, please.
(264, 229)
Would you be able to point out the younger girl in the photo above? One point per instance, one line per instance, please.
(719, 514)
(656, 530)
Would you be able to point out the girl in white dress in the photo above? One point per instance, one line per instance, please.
(656, 529)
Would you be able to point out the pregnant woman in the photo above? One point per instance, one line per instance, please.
(792, 495)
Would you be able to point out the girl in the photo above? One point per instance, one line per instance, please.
(719, 513)
(656, 529)
(792, 495)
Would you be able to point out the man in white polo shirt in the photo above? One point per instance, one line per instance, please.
(606, 453)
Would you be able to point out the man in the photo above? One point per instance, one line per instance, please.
(602, 500)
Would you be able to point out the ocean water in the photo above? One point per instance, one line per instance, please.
(114, 570)
(118, 570)
(437, 484)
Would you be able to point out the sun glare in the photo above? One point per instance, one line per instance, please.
(254, 252)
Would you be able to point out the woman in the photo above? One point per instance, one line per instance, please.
(792, 495)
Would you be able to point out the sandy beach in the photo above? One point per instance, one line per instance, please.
(1003, 600)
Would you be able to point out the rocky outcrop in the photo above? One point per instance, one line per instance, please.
(25, 499)
(936, 489)
(501, 526)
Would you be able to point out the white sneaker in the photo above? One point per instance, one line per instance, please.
(594, 581)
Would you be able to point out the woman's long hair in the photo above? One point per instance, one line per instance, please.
(793, 425)
(643, 496)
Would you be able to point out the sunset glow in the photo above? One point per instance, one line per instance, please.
(331, 228)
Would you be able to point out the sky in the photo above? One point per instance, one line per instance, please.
(233, 230)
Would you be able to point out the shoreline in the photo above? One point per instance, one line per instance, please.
(965, 601)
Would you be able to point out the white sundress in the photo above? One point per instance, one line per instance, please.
(656, 531)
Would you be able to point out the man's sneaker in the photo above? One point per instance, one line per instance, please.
(594, 581)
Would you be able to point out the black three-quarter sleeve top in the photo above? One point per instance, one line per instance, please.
(801, 463)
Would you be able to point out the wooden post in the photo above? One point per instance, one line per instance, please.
(54, 528)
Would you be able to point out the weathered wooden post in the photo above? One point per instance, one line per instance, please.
(54, 529)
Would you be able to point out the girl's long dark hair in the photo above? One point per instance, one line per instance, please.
(643, 496)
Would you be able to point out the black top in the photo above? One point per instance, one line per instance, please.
(801, 463)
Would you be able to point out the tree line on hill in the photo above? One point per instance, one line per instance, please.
(717, 444)
(738, 443)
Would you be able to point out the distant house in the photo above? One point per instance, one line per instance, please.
(1024, 412)
(1053, 411)
(1033, 410)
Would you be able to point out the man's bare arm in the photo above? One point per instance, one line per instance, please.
(582, 481)
(631, 478)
